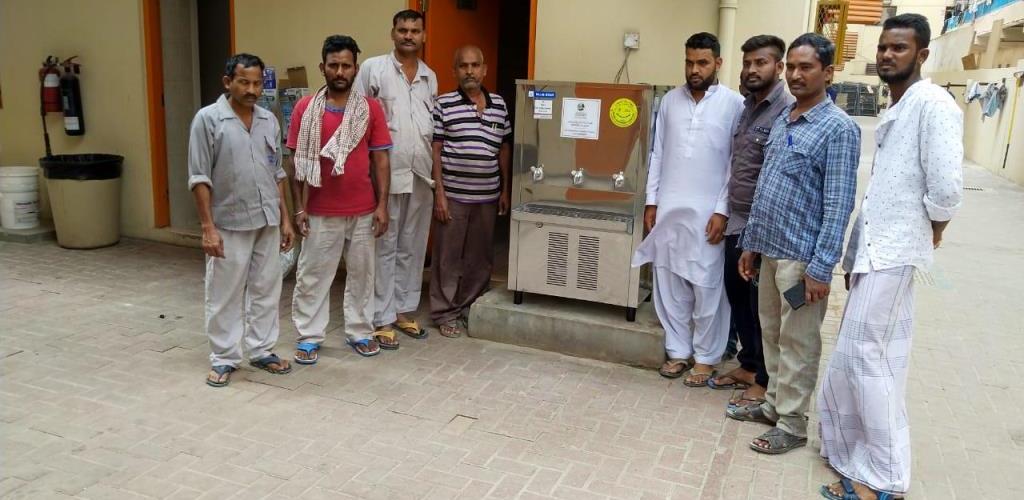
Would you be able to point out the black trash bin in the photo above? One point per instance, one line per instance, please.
(85, 197)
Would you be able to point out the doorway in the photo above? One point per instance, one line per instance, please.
(503, 29)
(190, 42)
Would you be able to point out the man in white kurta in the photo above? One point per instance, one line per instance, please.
(915, 189)
(687, 191)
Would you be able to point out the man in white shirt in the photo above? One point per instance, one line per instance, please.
(915, 189)
(406, 88)
(686, 214)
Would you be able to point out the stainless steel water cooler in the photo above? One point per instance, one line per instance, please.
(579, 174)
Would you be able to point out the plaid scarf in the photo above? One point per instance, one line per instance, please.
(345, 138)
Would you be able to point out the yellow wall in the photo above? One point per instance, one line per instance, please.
(286, 34)
(582, 39)
(786, 19)
(114, 73)
(113, 90)
(985, 141)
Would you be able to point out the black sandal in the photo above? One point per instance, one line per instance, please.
(271, 359)
(220, 370)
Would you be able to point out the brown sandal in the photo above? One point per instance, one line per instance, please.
(675, 367)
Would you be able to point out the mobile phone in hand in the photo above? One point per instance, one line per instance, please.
(796, 296)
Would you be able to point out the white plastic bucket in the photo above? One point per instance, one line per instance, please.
(19, 197)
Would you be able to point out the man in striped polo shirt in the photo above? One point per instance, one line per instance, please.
(472, 151)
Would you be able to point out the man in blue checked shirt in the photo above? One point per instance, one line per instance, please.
(797, 222)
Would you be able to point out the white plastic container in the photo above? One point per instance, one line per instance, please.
(19, 197)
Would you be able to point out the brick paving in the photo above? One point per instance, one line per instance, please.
(102, 359)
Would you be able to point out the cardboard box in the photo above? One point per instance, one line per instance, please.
(297, 77)
(970, 61)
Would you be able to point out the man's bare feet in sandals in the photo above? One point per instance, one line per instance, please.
(737, 378)
(219, 376)
(451, 329)
(675, 367)
(752, 395)
(385, 338)
(840, 490)
(699, 375)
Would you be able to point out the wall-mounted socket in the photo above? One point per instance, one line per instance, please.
(631, 40)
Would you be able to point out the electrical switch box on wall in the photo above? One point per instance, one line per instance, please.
(631, 40)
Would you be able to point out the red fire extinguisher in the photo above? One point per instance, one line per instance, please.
(49, 86)
(71, 98)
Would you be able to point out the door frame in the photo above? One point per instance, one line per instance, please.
(154, 57)
(154, 102)
(418, 5)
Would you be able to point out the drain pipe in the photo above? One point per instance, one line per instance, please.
(726, 33)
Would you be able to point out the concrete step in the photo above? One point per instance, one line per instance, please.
(572, 327)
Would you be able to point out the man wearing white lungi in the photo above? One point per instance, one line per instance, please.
(406, 88)
(236, 178)
(686, 214)
(915, 189)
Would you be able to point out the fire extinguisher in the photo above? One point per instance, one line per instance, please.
(49, 86)
(71, 98)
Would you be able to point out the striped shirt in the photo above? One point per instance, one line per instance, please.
(470, 143)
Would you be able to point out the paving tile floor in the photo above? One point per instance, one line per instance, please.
(103, 355)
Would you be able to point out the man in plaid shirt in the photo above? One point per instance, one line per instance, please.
(797, 222)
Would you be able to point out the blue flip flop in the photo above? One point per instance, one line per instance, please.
(850, 494)
(364, 342)
(310, 348)
(220, 370)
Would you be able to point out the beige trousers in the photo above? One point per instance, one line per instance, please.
(330, 238)
(243, 292)
(401, 252)
(792, 344)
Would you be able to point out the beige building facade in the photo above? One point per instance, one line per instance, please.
(572, 40)
(987, 50)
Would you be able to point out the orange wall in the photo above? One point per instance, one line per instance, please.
(448, 28)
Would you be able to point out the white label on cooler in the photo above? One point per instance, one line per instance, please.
(26, 211)
(71, 123)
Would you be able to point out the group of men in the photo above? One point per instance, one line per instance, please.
(375, 152)
(748, 201)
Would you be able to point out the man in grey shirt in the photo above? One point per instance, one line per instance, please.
(235, 174)
(767, 98)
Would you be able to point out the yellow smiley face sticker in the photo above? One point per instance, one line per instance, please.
(623, 112)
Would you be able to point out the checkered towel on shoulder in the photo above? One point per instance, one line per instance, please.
(345, 139)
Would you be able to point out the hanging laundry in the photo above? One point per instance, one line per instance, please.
(992, 101)
(973, 91)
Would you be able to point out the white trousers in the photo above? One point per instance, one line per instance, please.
(401, 252)
(864, 430)
(243, 293)
(695, 318)
(330, 238)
